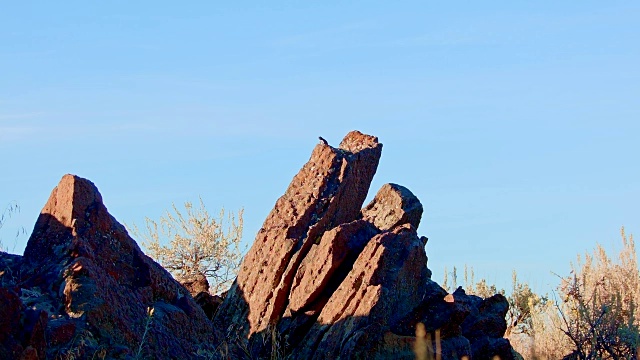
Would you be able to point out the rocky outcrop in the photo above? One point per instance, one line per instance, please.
(325, 279)
(485, 326)
(198, 287)
(328, 191)
(87, 285)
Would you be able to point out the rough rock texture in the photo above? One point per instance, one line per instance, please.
(328, 191)
(325, 279)
(486, 325)
(393, 205)
(337, 248)
(87, 285)
(9, 268)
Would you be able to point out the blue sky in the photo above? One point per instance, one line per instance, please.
(515, 124)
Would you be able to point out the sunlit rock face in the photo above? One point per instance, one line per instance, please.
(328, 279)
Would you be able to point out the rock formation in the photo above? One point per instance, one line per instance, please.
(86, 287)
(328, 191)
(326, 279)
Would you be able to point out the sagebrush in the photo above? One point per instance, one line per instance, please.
(192, 241)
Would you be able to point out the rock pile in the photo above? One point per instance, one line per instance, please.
(328, 279)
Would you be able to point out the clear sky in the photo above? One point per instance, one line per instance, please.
(516, 124)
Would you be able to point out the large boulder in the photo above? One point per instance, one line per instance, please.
(485, 326)
(393, 205)
(102, 295)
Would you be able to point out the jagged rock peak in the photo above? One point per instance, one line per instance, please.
(71, 199)
(73, 207)
(328, 191)
(96, 281)
(356, 141)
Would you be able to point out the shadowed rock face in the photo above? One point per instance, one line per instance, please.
(325, 279)
(83, 272)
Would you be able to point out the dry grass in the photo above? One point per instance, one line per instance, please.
(593, 315)
(147, 326)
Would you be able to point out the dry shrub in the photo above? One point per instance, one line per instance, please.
(598, 304)
(591, 316)
(594, 313)
(545, 338)
(197, 243)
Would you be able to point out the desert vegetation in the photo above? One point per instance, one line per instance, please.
(11, 209)
(592, 314)
(191, 241)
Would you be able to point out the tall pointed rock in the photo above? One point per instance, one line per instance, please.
(328, 191)
(100, 286)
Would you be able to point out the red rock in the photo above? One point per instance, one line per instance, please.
(30, 353)
(393, 205)
(384, 285)
(486, 325)
(209, 303)
(328, 191)
(22, 329)
(10, 312)
(60, 331)
(33, 331)
(81, 257)
(322, 262)
(325, 280)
